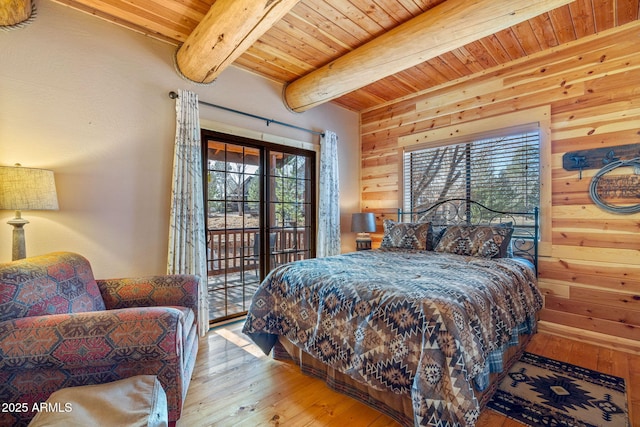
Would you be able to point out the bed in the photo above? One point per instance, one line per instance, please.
(422, 328)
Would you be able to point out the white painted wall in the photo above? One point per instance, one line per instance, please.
(89, 100)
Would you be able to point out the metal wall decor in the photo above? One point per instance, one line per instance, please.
(610, 191)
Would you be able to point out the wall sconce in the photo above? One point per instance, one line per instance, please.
(363, 224)
(25, 189)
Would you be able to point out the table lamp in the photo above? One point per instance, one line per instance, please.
(25, 189)
(363, 224)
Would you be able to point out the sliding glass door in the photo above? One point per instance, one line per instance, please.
(260, 214)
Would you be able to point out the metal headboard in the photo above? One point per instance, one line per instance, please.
(524, 241)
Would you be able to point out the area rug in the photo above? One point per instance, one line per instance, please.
(543, 392)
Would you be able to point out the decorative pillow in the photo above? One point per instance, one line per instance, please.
(437, 231)
(486, 241)
(406, 235)
(509, 253)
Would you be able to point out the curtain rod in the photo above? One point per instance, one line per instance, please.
(174, 95)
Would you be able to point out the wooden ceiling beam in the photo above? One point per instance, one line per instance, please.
(13, 12)
(448, 26)
(227, 30)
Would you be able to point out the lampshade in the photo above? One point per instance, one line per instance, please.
(363, 222)
(27, 189)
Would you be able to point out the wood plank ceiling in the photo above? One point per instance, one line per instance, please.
(315, 32)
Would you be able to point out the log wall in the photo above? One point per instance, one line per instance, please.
(590, 273)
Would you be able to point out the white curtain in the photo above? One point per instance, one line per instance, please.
(187, 239)
(329, 197)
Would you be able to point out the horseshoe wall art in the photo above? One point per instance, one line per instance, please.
(616, 186)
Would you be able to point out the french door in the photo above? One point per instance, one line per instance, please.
(260, 214)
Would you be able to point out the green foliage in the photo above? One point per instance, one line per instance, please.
(497, 173)
(235, 188)
(290, 190)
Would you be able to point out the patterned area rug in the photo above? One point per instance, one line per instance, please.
(544, 392)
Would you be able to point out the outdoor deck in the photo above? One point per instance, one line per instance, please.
(233, 265)
(231, 296)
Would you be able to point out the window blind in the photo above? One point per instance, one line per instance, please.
(502, 173)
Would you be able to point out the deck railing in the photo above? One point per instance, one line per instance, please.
(233, 249)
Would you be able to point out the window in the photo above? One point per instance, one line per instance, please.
(260, 213)
(502, 173)
(536, 120)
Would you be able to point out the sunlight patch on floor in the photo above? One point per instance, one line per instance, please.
(244, 344)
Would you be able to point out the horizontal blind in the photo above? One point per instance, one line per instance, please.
(502, 173)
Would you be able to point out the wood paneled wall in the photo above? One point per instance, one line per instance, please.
(591, 272)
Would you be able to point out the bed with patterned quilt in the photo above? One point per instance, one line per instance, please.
(420, 328)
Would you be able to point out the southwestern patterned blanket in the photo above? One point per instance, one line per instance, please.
(415, 322)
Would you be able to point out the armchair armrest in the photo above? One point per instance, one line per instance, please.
(151, 291)
(89, 339)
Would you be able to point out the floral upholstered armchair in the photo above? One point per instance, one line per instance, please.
(59, 327)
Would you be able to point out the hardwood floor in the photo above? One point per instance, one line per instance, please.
(235, 384)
